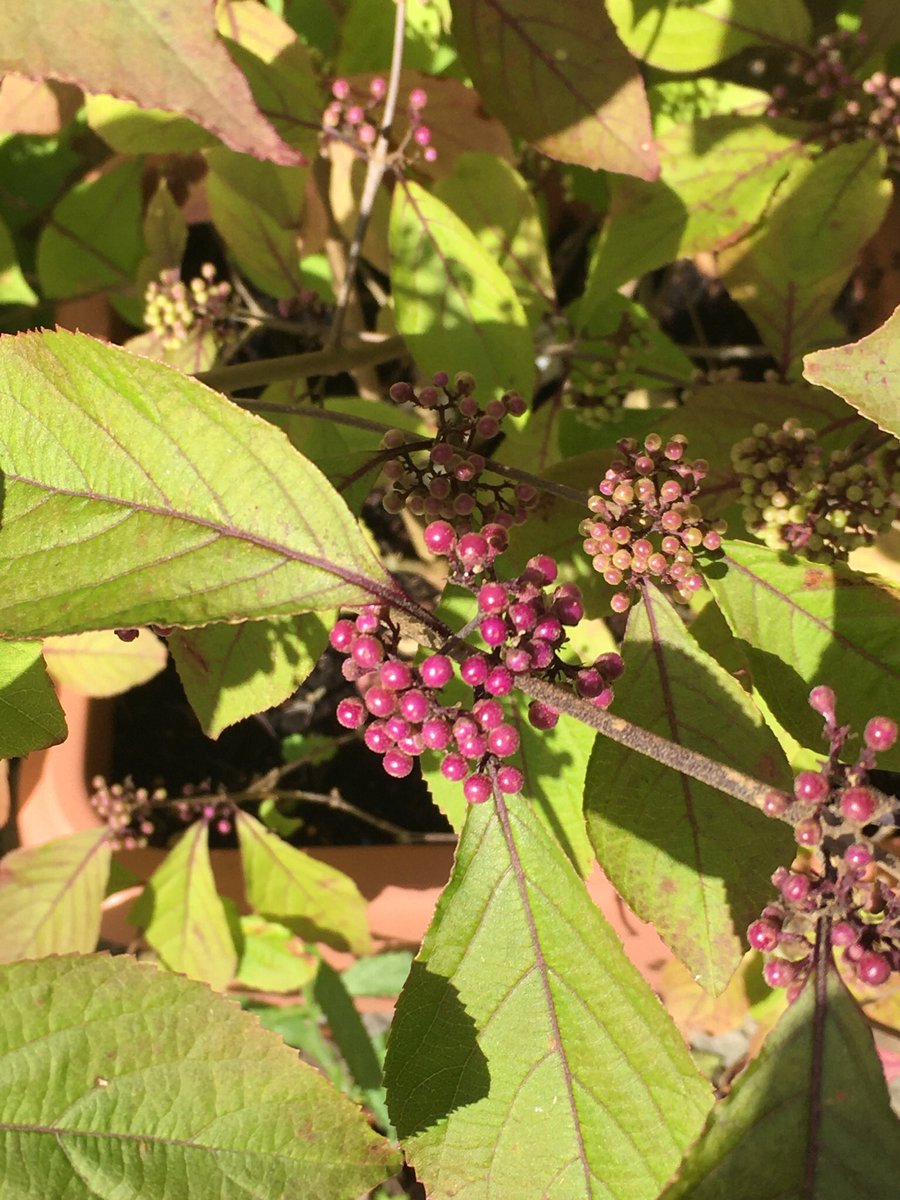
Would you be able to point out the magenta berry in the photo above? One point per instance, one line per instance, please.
(542, 716)
(474, 671)
(857, 856)
(779, 973)
(436, 671)
(808, 833)
(351, 713)
(414, 706)
(342, 636)
(857, 804)
(810, 787)
(380, 702)
(395, 675)
(493, 630)
(764, 935)
(454, 767)
(499, 682)
(367, 652)
(795, 888)
(492, 598)
(397, 764)
(843, 934)
(503, 741)
(472, 551)
(510, 780)
(774, 804)
(436, 734)
(439, 537)
(377, 738)
(873, 969)
(544, 567)
(880, 733)
(477, 789)
(822, 700)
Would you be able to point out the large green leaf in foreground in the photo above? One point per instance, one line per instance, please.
(527, 1057)
(135, 495)
(121, 1082)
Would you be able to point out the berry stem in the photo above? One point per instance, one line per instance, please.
(367, 351)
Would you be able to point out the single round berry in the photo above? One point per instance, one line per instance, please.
(377, 738)
(477, 789)
(857, 856)
(611, 666)
(843, 934)
(774, 804)
(510, 780)
(873, 969)
(542, 716)
(779, 973)
(488, 713)
(436, 671)
(493, 630)
(822, 700)
(795, 888)
(380, 702)
(810, 787)
(397, 764)
(499, 682)
(503, 741)
(439, 537)
(473, 551)
(367, 621)
(436, 734)
(398, 728)
(367, 652)
(544, 566)
(414, 706)
(342, 636)
(857, 804)
(395, 675)
(764, 935)
(808, 833)
(492, 598)
(472, 745)
(351, 713)
(880, 733)
(454, 767)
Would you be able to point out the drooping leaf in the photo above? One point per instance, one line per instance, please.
(809, 624)
(93, 239)
(50, 896)
(165, 237)
(119, 1079)
(171, 506)
(182, 915)
(527, 1057)
(694, 862)
(495, 202)
(455, 306)
(809, 1117)
(273, 959)
(285, 885)
(788, 273)
(30, 714)
(717, 177)
(865, 373)
(586, 102)
(101, 664)
(233, 671)
(182, 65)
(689, 37)
(14, 289)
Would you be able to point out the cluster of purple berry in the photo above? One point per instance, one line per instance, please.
(353, 117)
(129, 810)
(174, 309)
(795, 498)
(523, 628)
(841, 882)
(645, 523)
(446, 478)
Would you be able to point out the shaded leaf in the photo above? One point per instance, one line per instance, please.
(93, 239)
(182, 915)
(809, 1117)
(504, 1075)
(865, 373)
(182, 65)
(273, 959)
(285, 885)
(14, 288)
(30, 714)
(455, 307)
(585, 98)
(170, 506)
(233, 671)
(694, 862)
(50, 896)
(351, 1038)
(119, 1079)
(789, 272)
(689, 37)
(808, 624)
(101, 664)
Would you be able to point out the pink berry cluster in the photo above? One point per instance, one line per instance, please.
(644, 522)
(129, 810)
(174, 309)
(446, 478)
(355, 117)
(841, 882)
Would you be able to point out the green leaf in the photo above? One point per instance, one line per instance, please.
(30, 712)
(285, 885)
(809, 624)
(865, 373)
(158, 54)
(497, 205)
(119, 1079)
(689, 37)
(273, 959)
(694, 862)
(93, 240)
(233, 671)
(378, 974)
(789, 272)
(527, 1058)
(879, 20)
(585, 99)
(455, 307)
(101, 664)
(131, 129)
(809, 1117)
(256, 207)
(717, 177)
(13, 287)
(182, 915)
(350, 1037)
(170, 505)
(165, 237)
(50, 896)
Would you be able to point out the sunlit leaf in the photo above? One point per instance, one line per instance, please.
(131, 129)
(585, 98)
(170, 506)
(101, 664)
(183, 66)
(865, 373)
(50, 896)
(809, 1117)
(527, 1058)
(182, 916)
(285, 885)
(30, 714)
(273, 959)
(694, 862)
(119, 1079)
(14, 288)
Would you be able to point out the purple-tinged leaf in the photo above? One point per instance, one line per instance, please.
(527, 1057)
(864, 373)
(694, 862)
(50, 896)
(810, 1118)
(559, 77)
